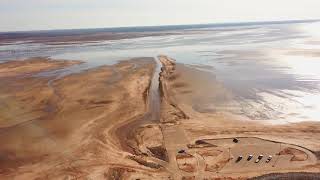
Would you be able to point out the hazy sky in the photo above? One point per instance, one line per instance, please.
(65, 14)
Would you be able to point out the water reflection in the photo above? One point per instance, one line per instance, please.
(271, 70)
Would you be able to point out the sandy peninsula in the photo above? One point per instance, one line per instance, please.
(135, 120)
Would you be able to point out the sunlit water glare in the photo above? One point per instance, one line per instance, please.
(272, 71)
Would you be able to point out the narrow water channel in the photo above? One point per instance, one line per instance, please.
(154, 94)
(126, 132)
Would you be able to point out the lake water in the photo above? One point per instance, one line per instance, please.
(271, 70)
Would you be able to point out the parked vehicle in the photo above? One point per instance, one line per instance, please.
(250, 157)
(259, 158)
(269, 159)
(239, 159)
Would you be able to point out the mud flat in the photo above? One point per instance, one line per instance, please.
(215, 140)
(67, 38)
(66, 130)
(137, 120)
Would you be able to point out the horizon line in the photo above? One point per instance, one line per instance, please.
(240, 23)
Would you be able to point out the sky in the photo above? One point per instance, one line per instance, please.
(17, 15)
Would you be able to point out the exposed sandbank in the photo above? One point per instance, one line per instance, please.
(101, 124)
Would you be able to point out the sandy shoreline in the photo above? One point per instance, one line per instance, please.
(87, 107)
(201, 125)
(182, 125)
(114, 122)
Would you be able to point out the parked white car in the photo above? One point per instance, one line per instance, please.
(269, 159)
(259, 158)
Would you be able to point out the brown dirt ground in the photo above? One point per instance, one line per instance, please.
(66, 130)
(69, 128)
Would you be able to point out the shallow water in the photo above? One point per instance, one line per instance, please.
(271, 70)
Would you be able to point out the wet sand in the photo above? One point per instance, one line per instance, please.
(189, 90)
(132, 120)
(73, 38)
(70, 128)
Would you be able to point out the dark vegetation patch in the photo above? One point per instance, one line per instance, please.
(160, 152)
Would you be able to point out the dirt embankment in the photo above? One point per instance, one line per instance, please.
(170, 111)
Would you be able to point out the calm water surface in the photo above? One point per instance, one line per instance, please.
(272, 71)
